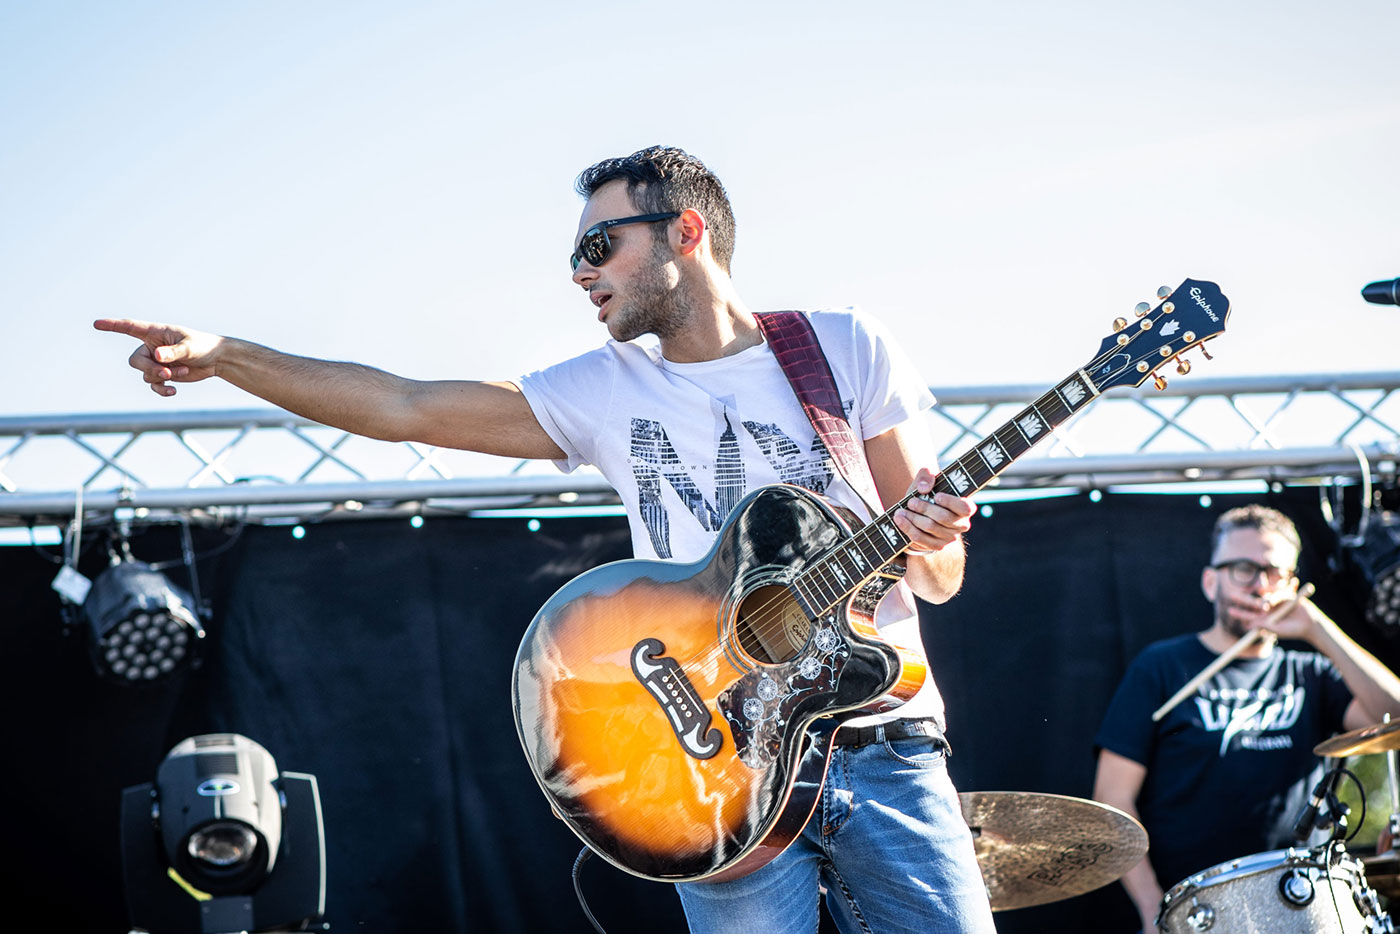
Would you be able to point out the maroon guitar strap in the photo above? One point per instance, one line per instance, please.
(794, 343)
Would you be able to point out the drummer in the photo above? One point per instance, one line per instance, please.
(1226, 772)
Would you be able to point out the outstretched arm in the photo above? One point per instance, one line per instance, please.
(490, 417)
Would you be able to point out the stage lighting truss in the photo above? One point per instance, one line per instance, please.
(141, 628)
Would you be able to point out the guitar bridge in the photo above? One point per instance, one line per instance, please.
(664, 678)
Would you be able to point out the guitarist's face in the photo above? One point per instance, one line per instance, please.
(636, 287)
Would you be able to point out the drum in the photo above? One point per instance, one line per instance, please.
(1321, 890)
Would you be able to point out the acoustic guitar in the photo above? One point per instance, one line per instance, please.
(665, 707)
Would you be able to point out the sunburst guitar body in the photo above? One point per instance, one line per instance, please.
(664, 707)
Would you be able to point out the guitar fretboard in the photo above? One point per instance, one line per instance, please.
(834, 576)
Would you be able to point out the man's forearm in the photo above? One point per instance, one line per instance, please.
(490, 417)
(936, 576)
(350, 396)
(1375, 687)
(1140, 882)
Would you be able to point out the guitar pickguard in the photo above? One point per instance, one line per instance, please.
(760, 705)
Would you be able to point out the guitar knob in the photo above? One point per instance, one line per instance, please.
(1119, 324)
(1159, 382)
(1206, 352)
(1183, 366)
(1141, 309)
(1164, 291)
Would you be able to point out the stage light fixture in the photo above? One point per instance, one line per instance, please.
(223, 842)
(1379, 558)
(141, 628)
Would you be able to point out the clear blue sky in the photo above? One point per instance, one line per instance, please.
(392, 182)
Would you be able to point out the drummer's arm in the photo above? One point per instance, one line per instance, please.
(1117, 783)
(1375, 689)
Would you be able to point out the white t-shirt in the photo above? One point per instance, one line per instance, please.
(682, 443)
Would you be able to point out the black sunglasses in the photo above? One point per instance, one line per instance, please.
(595, 246)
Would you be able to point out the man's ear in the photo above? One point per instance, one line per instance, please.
(691, 229)
(1208, 583)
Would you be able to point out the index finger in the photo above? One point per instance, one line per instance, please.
(125, 326)
(957, 505)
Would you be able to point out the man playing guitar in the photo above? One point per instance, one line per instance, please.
(683, 431)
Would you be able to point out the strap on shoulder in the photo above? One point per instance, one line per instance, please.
(794, 343)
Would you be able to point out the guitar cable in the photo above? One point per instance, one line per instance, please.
(583, 855)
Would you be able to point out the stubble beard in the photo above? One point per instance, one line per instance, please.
(1224, 617)
(1227, 622)
(655, 305)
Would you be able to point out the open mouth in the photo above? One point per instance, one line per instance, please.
(600, 298)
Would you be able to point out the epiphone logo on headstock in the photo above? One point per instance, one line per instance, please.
(1196, 294)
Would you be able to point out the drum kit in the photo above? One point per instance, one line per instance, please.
(1034, 849)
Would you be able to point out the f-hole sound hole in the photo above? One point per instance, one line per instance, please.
(771, 625)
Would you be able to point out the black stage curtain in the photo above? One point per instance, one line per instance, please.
(378, 657)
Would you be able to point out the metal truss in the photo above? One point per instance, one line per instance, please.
(268, 465)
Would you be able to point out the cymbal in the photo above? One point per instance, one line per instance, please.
(1380, 737)
(1383, 873)
(1038, 848)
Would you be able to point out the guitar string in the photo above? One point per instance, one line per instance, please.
(766, 620)
(827, 579)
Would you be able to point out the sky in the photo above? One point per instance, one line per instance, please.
(392, 183)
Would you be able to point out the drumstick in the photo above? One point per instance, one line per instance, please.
(1227, 656)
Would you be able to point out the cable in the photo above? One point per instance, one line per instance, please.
(583, 855)
(1361, 793)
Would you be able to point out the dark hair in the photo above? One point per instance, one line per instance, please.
(662, 179)
(1257, 517)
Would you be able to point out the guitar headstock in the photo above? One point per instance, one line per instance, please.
(1185, 318)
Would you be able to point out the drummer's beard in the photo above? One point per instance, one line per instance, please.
(1227, 621)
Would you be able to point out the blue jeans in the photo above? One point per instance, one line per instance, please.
(887, 840)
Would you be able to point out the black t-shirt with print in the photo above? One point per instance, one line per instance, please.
(1229, 768)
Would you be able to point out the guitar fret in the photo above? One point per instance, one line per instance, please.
(1012, 440)
(893, 536)
(830, 590)
(875, 546)
(1073, 392)
(810, 607)
(1031, 423)
(979, 480)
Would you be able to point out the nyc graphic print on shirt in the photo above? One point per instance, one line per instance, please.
(1250, 713)
(654, 459)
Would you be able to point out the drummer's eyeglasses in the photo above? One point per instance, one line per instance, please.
(1244, 572)
(594, 246)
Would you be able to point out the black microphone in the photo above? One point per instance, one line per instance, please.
(1303, 826)
(1383, 293)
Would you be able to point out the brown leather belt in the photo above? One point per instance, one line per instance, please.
(879, 732)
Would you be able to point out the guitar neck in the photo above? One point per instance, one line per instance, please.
(838, 574)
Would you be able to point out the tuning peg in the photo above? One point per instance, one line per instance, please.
(1182, 366)
(1119, 324)
(1164, 291)
(1206, 352)
(1141, 309)
(1159, 382)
